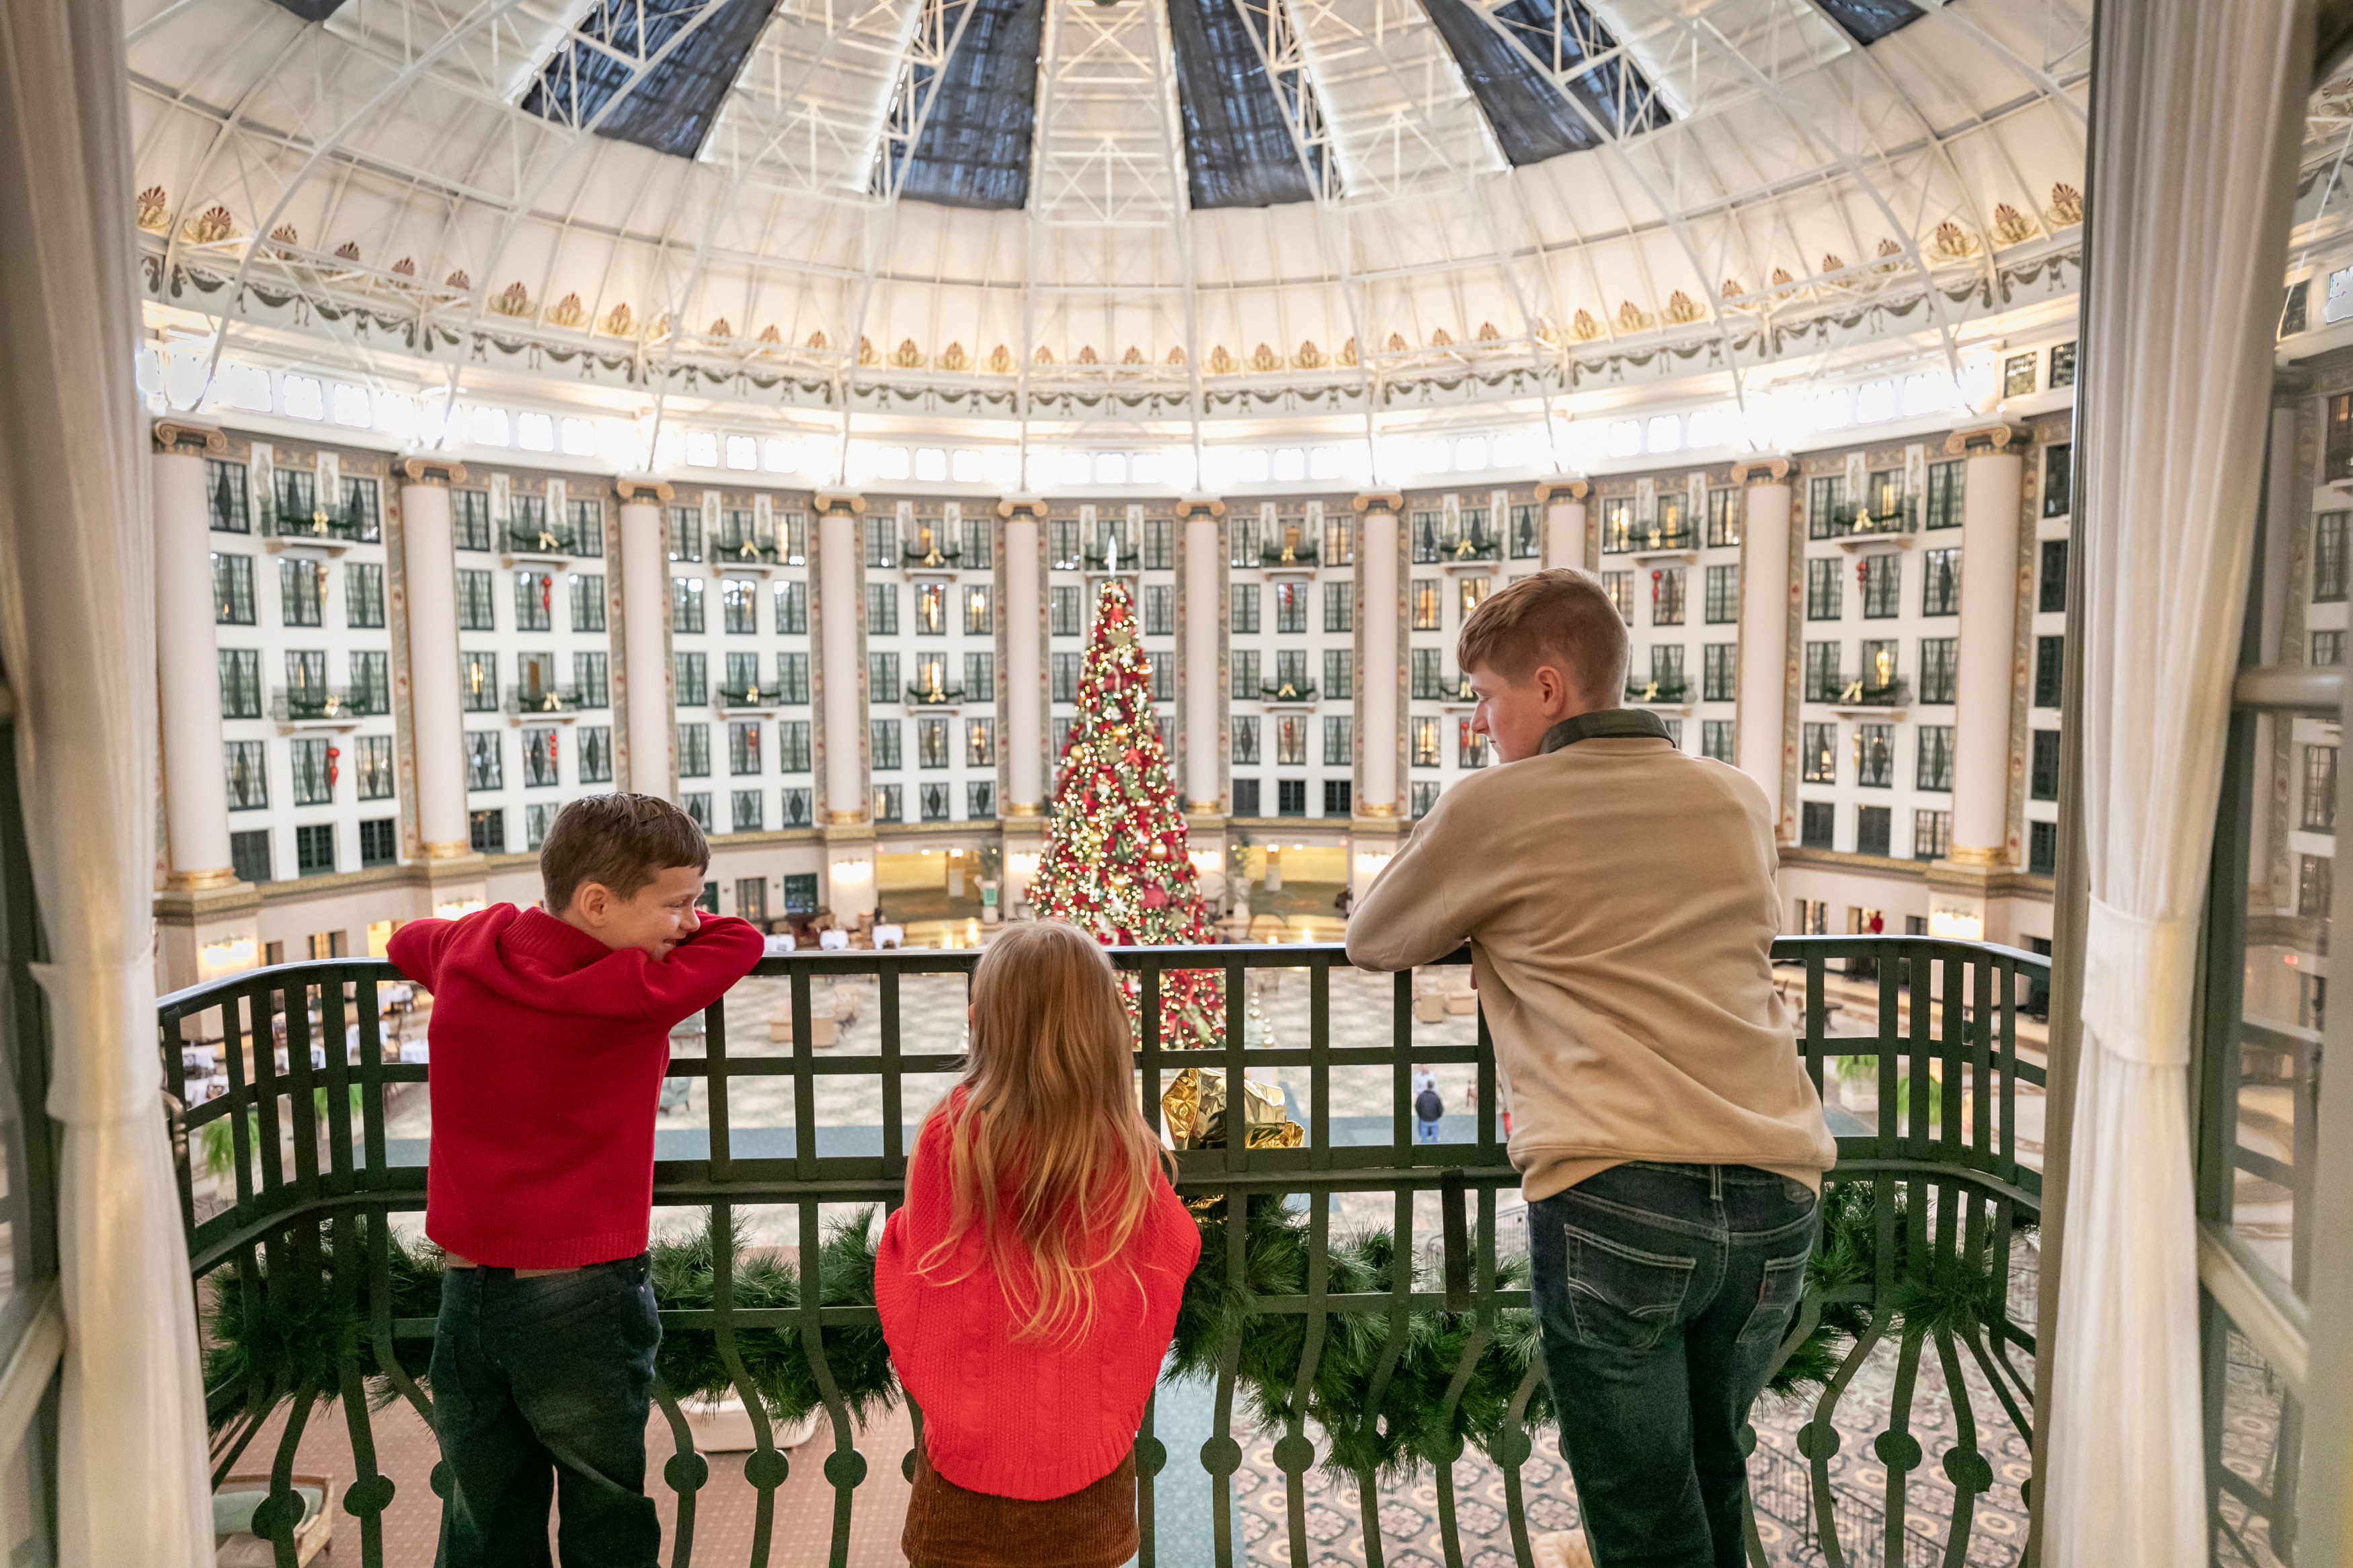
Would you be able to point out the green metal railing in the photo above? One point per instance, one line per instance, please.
(1924, 1266)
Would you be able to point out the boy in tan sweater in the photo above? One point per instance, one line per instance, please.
(1620, 901)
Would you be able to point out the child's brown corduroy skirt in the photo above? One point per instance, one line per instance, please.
(948, 1526)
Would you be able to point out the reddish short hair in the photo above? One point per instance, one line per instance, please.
(1561, 617)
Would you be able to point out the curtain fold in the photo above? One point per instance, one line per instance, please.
(78, 635)
(2197, 116)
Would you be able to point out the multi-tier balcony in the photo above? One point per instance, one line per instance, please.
(1371, 1368)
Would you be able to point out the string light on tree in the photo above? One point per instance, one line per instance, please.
(1116, 865)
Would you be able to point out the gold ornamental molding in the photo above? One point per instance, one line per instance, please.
(1207, 506)
(826, 501)
(200, 882)
(641, 491)
(189, 440)
(1023, 808)
(1575, 490)
(450, 849)
(1371, 501)
(1015, 507)
(1381, 813)
(1984, 440)
(1972, 855)
(844, 818)
(1777, 470)
(433, 471)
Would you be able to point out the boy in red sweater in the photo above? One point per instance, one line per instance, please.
(550, 1037)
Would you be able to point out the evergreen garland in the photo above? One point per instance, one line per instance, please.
(300, 1341)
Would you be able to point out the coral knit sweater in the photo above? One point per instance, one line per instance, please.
(1031, 1420)
(548, 1049)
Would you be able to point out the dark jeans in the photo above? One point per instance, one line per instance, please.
(1662, 1292)
(539, 1389)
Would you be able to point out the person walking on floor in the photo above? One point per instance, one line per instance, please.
(1427, 1109)
(1619, 898)
(1028, 1286)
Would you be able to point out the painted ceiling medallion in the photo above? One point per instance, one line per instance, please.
(1221, 361)
(567, 312)
(1583, 327)
(513, 300)
(1133, 356)
(1631, 317)
(1441, 338)
(1001, 361)
(1086, 355)
(1490, 333)
(952, 357)
(907, 356)
(1309, 356)
(2066, 208)
(817, 340)
(1955, 243)
(155, 210)
(1043, 356)
(618, 322)
(2011, 226)
(459, 281)
(1346, 357)
(405, 267)
(1682, 307)
(1264, 360)
(770, 335)
(1397, 342)
(865, 354)
(348, 251)
(722, 328)
(1732, 288)
(1177, 355)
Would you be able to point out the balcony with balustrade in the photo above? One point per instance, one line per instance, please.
(1371, 1367)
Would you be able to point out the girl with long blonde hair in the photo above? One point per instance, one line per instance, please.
(1029, 1284)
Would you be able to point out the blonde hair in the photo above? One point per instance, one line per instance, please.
(1046, 1146)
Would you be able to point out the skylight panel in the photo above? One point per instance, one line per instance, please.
(1868, 21)
(1238, 146)
(673, 108)
(973, 150)
(1531, 120)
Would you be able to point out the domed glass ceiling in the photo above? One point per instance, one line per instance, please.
(1162, 199)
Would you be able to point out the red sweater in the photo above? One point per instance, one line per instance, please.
(1031, 1420)
(548, 1049)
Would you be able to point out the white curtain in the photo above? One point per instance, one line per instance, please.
(2196, 114)
(77, 631)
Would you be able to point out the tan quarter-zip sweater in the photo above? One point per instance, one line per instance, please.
(1620, 901)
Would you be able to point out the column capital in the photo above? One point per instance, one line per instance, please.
(641, 491)
(1986, 440)
(179, 437)
(432, 472)
(1371, 501)
(830, 500)
(1777, 470)
(1207, 506)
(1575, 490)
(1014, 506)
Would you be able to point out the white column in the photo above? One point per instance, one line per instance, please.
(1564, 536)
(195, 797)
(1204, 693)
(645, 642)
(841, 586)
(1376, 679)
(1025, 729)
(428, 571)
(1991, 488)
(1765, 586)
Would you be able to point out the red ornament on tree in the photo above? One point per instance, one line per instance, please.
(1114, 864)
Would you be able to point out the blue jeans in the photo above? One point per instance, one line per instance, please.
(539, 1390)
(1663, 1293)
(1427, 1131)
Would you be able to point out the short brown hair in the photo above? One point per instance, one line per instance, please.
(619, 841)
(1562, 617)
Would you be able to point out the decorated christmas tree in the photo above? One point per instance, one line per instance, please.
(1115, 864)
